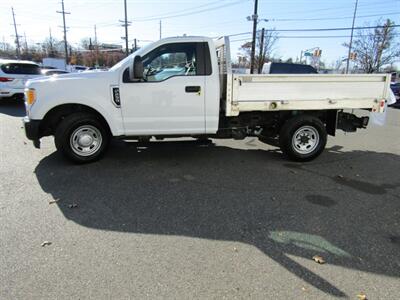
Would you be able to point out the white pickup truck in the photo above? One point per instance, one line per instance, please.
(184, 87)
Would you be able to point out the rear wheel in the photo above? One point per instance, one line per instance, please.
(303, 138)
(81, 137)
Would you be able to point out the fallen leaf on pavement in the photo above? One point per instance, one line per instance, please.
(340, 176)
(53, 201)
(73, 205)
(46, 243)
(318, 259)
(362, 296)
(188, 177)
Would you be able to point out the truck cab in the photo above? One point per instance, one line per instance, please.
(178, 93)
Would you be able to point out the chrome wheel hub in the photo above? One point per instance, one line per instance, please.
(305, 140)
(86, 140)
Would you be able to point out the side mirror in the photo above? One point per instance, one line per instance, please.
(136, 68)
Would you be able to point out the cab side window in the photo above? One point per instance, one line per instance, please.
(179, 59)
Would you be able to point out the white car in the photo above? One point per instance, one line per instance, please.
(13, 76)
(50, 72)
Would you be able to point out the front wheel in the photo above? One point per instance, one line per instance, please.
(303, 138)
(81, 137)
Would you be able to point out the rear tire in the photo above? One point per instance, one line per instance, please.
(303, 138)
(81, 137)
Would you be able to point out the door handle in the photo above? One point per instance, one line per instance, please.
(192, 89)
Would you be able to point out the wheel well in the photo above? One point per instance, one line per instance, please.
(54, 116)
(328, 117)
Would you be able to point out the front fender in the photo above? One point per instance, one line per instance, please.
(92, 91)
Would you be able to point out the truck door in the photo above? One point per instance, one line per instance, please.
(170, 99)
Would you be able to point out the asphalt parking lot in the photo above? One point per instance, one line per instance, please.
(225, 219)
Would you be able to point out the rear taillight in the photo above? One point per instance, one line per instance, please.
(6, 79)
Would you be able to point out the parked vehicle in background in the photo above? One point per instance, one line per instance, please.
(184, 87)
(396, 91)
(76, 68)
(49, 72)
(13, 76)
(95, 69)
(286, 68)
(53, 63)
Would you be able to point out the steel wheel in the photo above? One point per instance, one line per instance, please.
(303, 137)
(305, 140)
(86, 140)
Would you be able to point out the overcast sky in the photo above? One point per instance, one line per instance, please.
(200, 17)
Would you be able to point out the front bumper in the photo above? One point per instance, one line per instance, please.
(32, 130)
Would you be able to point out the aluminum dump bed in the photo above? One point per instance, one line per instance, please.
(305, 92)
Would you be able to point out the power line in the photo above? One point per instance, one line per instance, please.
(336, 8)
(320, 29)
(334, 18)
(363, 5)
(153, 18)
(179, 11)
(284, 20)
(310, 37)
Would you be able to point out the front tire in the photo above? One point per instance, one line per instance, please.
(303, 138)
(81, 137)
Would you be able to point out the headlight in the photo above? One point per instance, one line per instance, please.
(30, 96)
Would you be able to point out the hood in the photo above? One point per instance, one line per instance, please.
(78, 77)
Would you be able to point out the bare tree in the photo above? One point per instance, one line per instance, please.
(7, 50)
(376, 47)
(270, 39)
(52, 47)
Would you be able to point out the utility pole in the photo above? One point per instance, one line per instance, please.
(126, 24)
(16, 35)
(51, 54)
(63, 12)
(95, 35)
(135, 43)
(253, 43)
(261, 55)
(160, 29)
(126, 29)
(96, 45)
(351, 37)
(26, 43)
